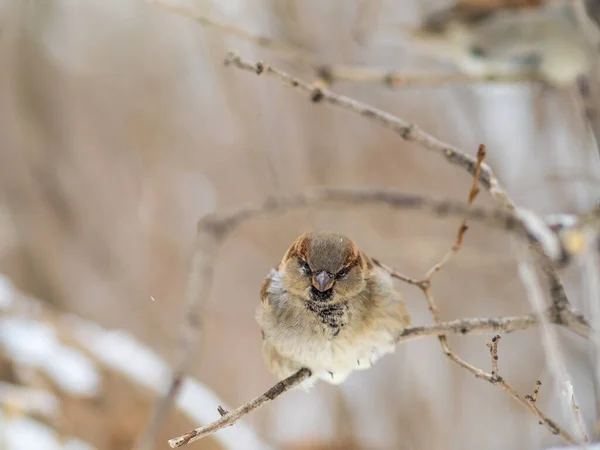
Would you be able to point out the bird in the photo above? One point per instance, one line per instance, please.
(329, 308)
(542, 40)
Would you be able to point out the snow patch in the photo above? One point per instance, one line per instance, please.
(22, 433)
(33, 343)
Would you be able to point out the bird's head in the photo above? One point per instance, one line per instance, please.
(324, 267)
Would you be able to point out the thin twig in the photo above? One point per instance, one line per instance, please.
(396, 274)
(543, 419)
(498, 381)
(536, 391)
(473, 192)
(493, 346)
(408, 131)
(230, 417)
(425, 285)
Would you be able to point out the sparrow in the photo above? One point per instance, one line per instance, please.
(327, 307)
(540, 40)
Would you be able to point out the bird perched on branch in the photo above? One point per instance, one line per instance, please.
(329, 308)
(540, 40)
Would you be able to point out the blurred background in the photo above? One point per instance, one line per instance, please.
(120, 127)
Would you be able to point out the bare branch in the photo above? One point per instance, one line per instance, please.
(497, 380)
(544, 420)
(521, 222)
(230, 417)
(396, 274)
(536, 391)
(425, 285)
(463, 327)
(408, 131)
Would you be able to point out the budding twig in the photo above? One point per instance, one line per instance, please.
(494, 354)
(536, 391)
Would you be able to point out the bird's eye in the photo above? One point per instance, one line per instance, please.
(305, 267)
(343, 272)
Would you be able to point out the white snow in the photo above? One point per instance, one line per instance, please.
(28, 400)
(34, 343)
(22, 433)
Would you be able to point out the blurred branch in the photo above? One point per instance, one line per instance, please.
(589, 89)
(233, 30)
(549, 338)
(531, 400)
(591, 279)
(570, 396)
(408, 131)
(331, 74)
(198, 287)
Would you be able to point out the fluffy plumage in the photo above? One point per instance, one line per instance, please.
(327, 307)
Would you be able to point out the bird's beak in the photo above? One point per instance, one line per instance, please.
(322, 281)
